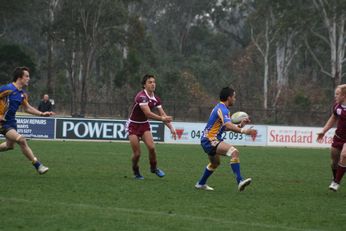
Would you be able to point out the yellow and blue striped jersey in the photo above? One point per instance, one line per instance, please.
(215, 126)
(10, 100)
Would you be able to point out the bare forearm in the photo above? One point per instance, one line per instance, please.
(32, 110)
(330, 123)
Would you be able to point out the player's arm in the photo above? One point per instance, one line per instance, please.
(150, 115)
(168, 124)
(235, 128)
(329, 124)
(4, 92)
(229, 126)
(33, 111)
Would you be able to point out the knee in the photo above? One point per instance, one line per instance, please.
(214, 165)
(151, 149)
(233, 153)
(136, 154)
(21, 141)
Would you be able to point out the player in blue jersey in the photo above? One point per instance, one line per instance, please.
(12, 96)
(212, 142)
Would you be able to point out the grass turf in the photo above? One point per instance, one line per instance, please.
(90, 187)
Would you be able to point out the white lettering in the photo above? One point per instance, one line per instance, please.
(107, 130)
(95, 129)
(66, 126)
(119, 131)
(76, 130)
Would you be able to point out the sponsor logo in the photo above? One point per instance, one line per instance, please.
(100, 129)
(180, 132)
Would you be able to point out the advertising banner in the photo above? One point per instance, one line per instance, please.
(298, 136)
(190, 133)
(35, 127)
(95, 129)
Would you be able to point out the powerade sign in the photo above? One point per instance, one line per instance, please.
(84, 129)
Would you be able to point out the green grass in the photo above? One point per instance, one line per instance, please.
(90, 187)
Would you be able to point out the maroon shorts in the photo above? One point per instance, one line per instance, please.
(338, 143)
(137, 129)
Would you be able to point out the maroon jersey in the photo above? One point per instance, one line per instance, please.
(142, 98)
(340, 112)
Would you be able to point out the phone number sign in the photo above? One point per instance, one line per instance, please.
(191, 133)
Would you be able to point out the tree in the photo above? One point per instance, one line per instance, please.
(85, 28)
(12, 56)
(332, 33)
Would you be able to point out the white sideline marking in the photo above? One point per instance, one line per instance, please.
(184, 216)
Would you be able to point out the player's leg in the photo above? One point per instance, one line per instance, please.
(149, 142)
(335, 157)
(7, 145)
(136, 154)
(209, 147)
(13, 136)
(214, 162)
(340, 170)
(228, 150)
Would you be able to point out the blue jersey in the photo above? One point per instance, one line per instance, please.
(217, 119)
(10, 100)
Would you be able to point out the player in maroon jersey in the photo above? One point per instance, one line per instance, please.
(138, 125)
(338, 148)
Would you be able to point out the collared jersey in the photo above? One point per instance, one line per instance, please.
(340, 113)
(142, 98)
(10, 100)
(217, 119)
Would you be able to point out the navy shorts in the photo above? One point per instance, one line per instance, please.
(209, 146)
(6, 126)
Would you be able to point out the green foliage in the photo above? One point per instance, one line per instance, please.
(106, 46)
(302, 101)
(12, 56)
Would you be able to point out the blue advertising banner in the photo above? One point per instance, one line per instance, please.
(36, 127)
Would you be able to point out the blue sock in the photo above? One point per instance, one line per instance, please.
(207, 173)
(37, 164)
(236, 170)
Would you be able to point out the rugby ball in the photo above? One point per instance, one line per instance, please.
(238, 116)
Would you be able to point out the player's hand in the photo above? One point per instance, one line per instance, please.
(166, 119)
(251, 132)
(174, 133)
(47, 113)
(244, 122)
(320, 136)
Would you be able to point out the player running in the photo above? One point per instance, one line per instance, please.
(338, 149)
(138, 125)
(213, 144)
(12, 96)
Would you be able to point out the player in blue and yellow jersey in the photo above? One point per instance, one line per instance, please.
(12, 96)
(212, 142)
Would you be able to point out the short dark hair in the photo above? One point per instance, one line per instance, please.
(225, 92)
(145, 78)
(19, 72)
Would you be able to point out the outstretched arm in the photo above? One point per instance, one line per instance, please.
(329, 124)
(33, 111)
(151, 115)
(235, 128)
(168, 124)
